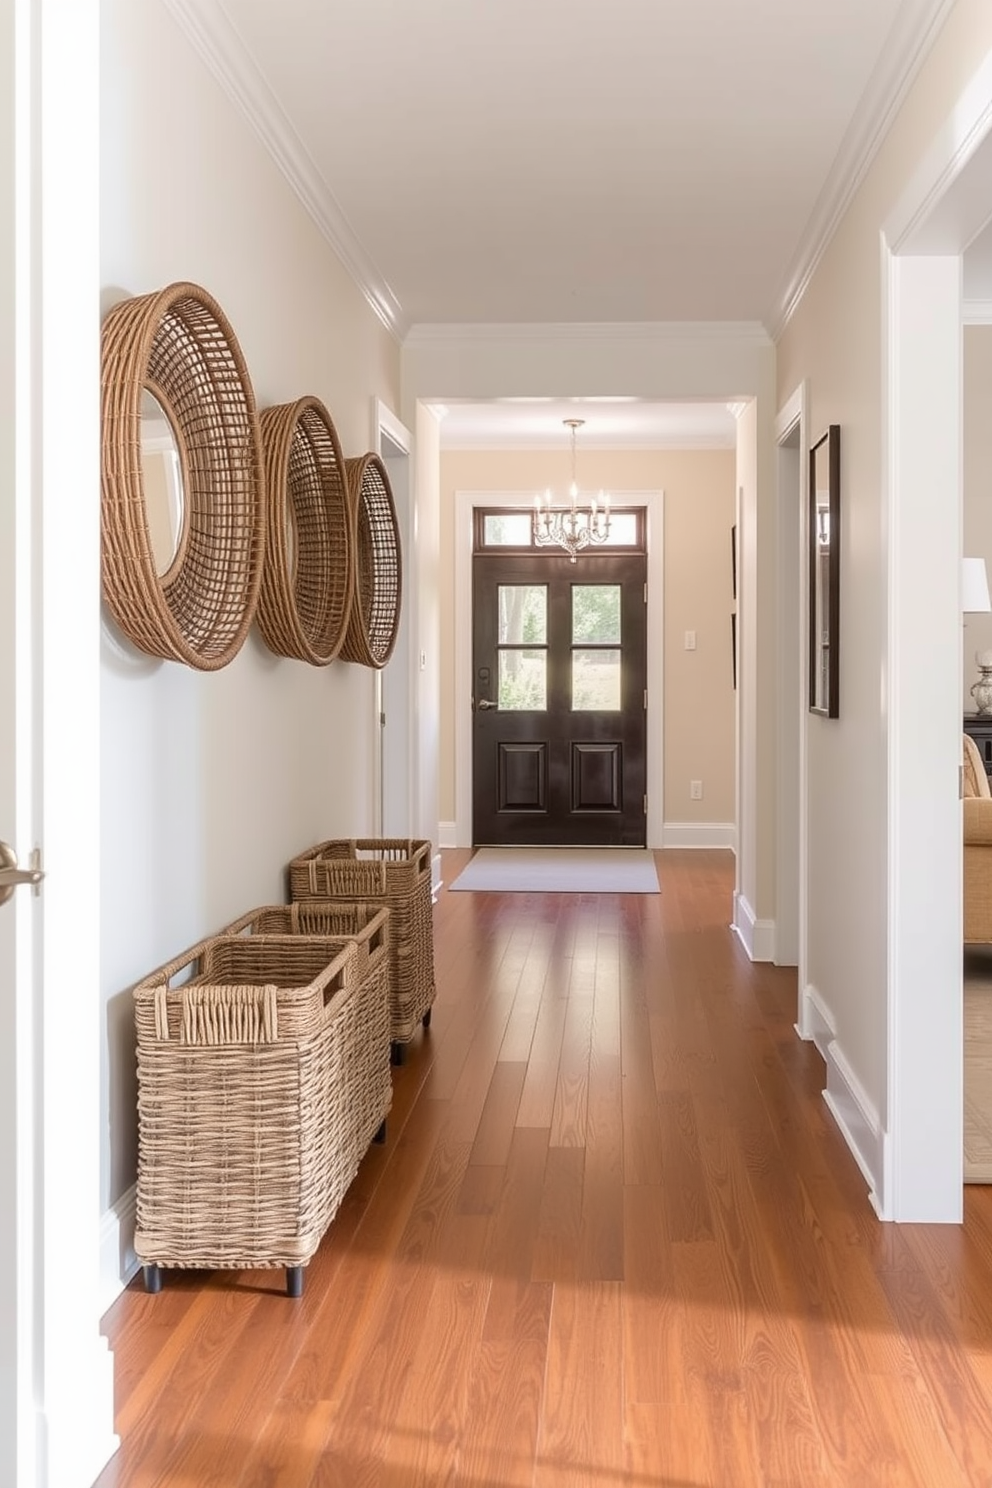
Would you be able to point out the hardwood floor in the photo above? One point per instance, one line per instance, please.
(613, 1238)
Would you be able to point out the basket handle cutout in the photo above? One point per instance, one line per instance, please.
(334, 985)
(229, 1015)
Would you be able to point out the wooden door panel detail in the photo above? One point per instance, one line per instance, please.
(597, 773)
(522, 776)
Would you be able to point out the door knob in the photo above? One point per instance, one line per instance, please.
(11, 875)
(485, 703)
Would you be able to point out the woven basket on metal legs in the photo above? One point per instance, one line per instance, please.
(263, 1074)
(395, 872)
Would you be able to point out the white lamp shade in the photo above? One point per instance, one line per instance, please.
(974, 586)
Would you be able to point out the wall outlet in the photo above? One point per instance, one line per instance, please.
(695, 790)
(690, 640)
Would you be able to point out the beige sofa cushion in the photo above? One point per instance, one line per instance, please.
(976, 782)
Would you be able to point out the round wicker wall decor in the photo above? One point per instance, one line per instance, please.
(308, 575)
(375, 609)
(178, 344)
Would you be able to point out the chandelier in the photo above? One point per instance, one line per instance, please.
(571, 529)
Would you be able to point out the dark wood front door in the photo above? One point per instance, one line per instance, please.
(559, 703)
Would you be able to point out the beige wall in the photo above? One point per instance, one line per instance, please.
(211, 782)
(699, 513)
(977, 488)
(835, 341)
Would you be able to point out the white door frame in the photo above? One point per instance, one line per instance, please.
(56, 1373)
(395, 774)
(944, 207)
(465, 505)
(791, 865)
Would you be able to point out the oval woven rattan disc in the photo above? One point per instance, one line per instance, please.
(179, 343)
(375, 609)
(308, 577)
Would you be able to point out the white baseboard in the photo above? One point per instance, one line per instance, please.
(756, 936)
(447, 836)
(699, 834)
(816, 1021)
(858, 1120)
(118, 1262)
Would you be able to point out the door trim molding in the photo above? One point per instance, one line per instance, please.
(465, 504)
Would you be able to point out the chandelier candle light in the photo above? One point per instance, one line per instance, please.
(572, 530)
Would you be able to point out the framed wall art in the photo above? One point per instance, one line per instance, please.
(824, 574)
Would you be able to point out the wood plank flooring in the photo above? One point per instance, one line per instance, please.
(614, 1237)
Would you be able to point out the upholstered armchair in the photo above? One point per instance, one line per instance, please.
(977, 847)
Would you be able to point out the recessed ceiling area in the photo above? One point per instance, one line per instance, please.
(610, 423)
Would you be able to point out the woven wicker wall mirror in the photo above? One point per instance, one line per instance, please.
(163, 474)
(181, 577)
(375, 614)
(308, 581)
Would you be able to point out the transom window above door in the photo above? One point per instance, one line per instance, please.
(511, 529)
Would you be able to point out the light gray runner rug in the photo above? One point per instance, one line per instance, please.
(561, 870)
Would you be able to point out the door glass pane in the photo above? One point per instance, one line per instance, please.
(523, 681)
(595, 681)
(596, 613)
(523, 614)
(507, 530)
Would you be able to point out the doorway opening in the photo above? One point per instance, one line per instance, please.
(466, 505)
(559, 693)
(791, 776)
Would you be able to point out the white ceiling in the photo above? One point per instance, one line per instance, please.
(515, 161)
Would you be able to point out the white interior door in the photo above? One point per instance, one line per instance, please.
(12, 1412)
(396, 760)
(56, 1386)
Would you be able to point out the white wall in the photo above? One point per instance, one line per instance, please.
(211, 782)
(863, 822)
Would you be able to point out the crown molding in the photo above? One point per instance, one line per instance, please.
(632, 445)
(426, 333)
(906, 48)
(977, 312)
(218, 42)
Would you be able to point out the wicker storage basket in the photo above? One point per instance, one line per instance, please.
(367, 924)
(395, 872)
(263, 1073)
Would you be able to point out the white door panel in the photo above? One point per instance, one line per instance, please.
(56, 1397)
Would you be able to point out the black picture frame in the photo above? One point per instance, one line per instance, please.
(733, 561)
(824, 574)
